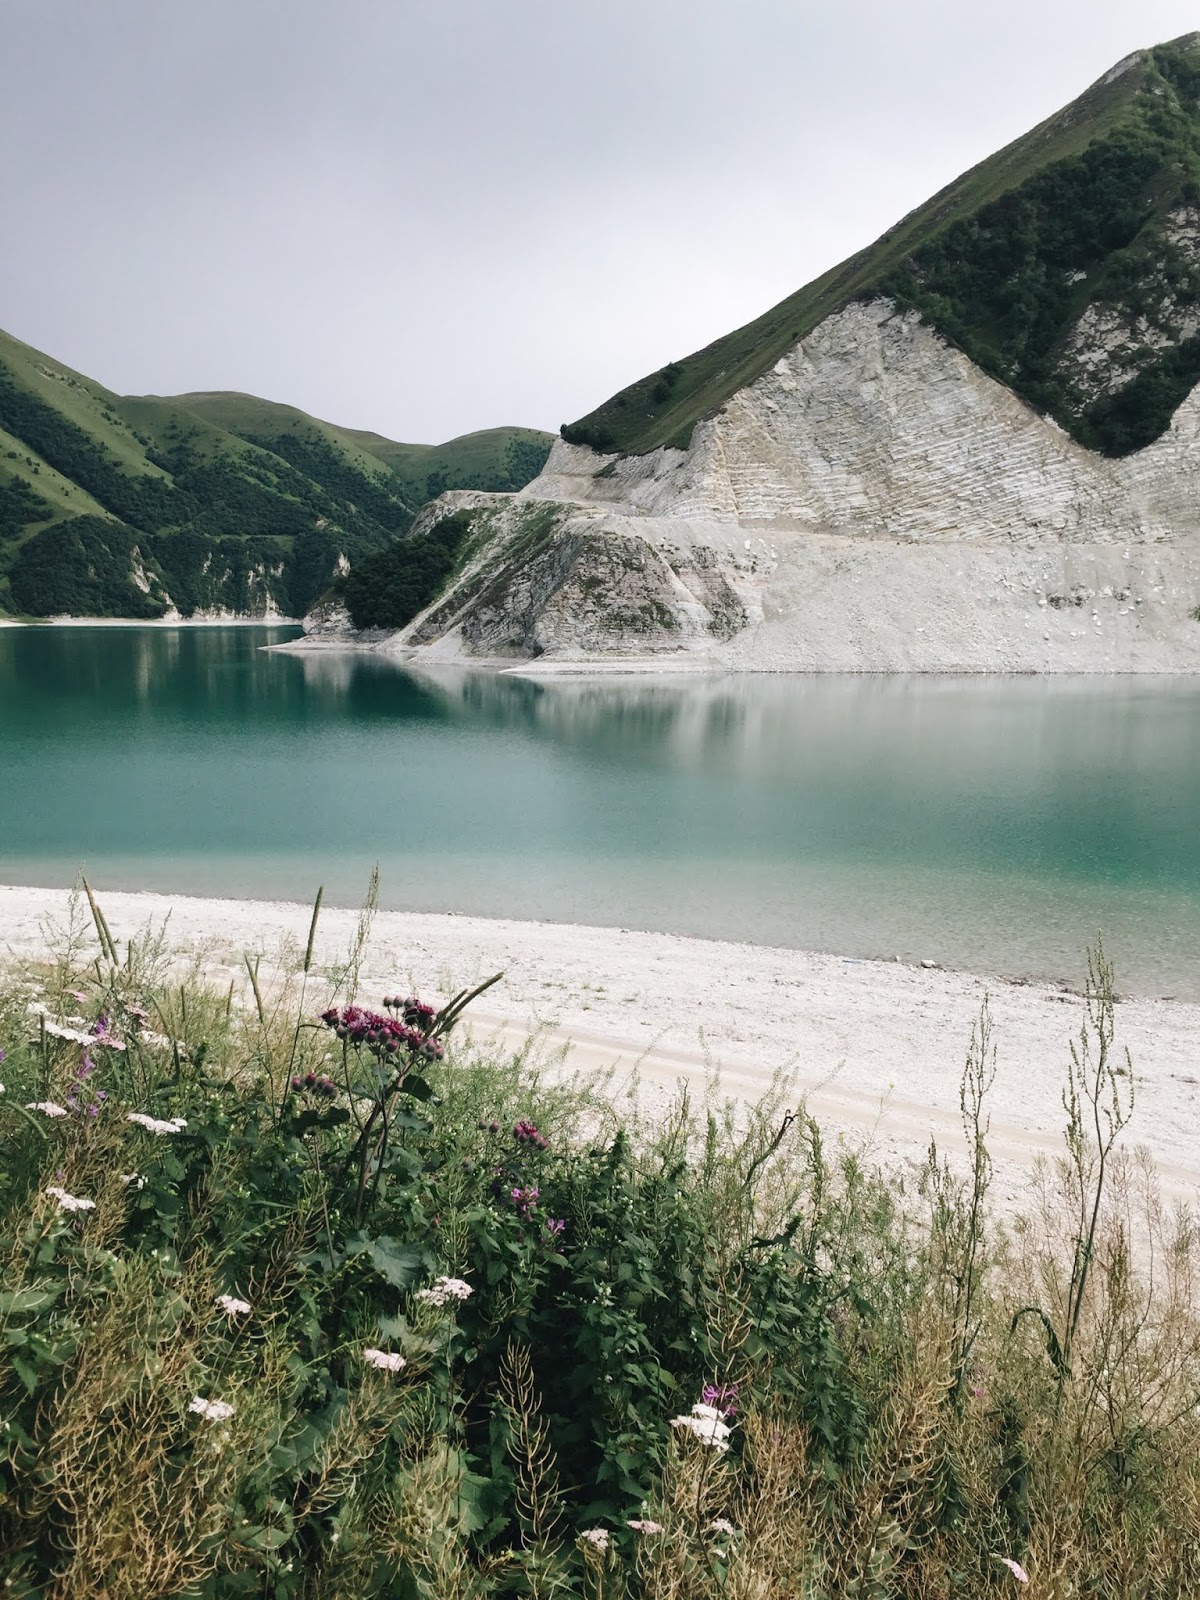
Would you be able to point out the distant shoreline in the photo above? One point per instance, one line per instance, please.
(873, 1048)
(153, 622)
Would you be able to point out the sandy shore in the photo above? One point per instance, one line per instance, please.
(875, 1048)
(168, 622)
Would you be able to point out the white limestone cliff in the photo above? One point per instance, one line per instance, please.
(875, 502)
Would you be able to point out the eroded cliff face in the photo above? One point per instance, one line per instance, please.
(874, 502)
(875, 426)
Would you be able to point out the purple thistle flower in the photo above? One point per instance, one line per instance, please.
(525, 1132)
(722, 1397)
(380, 1034)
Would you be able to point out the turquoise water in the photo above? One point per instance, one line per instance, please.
(994, 823)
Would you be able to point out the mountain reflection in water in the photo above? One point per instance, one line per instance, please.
(994, 823)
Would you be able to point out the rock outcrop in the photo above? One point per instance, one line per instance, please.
(875, 502)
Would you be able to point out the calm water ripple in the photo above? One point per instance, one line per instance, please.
(994, 823)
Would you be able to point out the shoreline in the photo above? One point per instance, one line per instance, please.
(152, 622)
(682, 664)
(874, 1048)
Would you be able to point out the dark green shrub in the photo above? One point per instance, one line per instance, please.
(80, 568)
(389, 589)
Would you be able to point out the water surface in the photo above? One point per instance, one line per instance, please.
(992, 823)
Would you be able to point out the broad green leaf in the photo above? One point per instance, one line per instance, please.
(400, 1264)
(416, 1087)
(17, 1301)
(333, 1118)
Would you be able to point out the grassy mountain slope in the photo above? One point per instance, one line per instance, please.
(119, 506)
(495, 458)
(472, 461)
(1098, 207)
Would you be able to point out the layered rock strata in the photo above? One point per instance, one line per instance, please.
(875, 502)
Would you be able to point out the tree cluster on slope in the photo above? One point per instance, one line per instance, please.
(391, 587)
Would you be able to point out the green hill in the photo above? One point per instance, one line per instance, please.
(1098, 207)
(119, 506)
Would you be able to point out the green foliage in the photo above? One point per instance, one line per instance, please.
(388, 589)
(318, 461)
(19, 506)
(142, 502)
(311, 564)
(523, 459)
(1003, 284)
(1141, 411)
(348, 1319)
(80, 568)
(234, 502)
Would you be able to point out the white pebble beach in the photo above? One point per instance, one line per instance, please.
(875, 1048)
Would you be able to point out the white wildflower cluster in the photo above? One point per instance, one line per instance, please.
(707, 1424)
(70, 1202)
(722, 1525)
(156, 1124)
(232, 1306)
(596, 1537)
(385, 1360)
(644, 1525)
(63, 1030)
(211, 1410)
(445, 1290)
(48, 1108)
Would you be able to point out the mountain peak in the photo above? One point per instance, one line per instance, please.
(1067, 265)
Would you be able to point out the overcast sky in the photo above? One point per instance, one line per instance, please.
(429, 216)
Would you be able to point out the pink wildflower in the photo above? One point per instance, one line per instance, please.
(103, 1034)
(722, 1398)
(1015, 1567)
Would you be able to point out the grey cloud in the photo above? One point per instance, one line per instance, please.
(425, 216)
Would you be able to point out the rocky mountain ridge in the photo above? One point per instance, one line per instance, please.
(885, 495)
(874, 503)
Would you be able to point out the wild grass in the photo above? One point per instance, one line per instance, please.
(338, 1319)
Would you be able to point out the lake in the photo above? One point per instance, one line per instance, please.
(989, 823)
